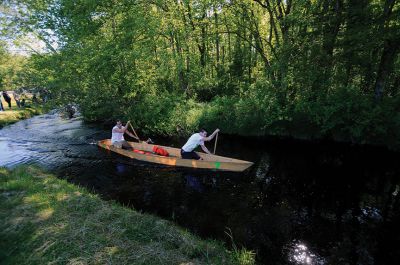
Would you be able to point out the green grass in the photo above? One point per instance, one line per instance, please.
(46, 220)
(15, 114)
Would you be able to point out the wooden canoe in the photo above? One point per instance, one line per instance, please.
(209, 162)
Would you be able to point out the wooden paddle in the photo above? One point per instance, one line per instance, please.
(137, 137)
(215, 144)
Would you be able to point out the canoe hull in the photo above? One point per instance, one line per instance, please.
(210, 161)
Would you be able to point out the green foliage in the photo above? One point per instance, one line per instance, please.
(10, 70)
(308, 69)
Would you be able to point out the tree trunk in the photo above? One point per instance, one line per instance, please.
(216, 36)
(390, 50)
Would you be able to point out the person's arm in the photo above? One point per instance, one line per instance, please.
(205, 149)
(209, 138)
(131, 135)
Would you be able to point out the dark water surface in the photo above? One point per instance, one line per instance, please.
(299, 204)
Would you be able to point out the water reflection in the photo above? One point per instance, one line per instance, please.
(120, 168)
(194, 183)
(300, 254)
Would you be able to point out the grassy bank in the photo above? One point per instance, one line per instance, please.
(47, 220)
(10, 116)
(15, 114)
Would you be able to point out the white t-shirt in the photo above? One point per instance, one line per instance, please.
(116, 136)
(194, 141)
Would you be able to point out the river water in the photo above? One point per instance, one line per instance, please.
(301, 203)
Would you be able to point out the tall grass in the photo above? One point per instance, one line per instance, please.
(45, 220)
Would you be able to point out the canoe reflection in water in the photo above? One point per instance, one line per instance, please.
(120, 168)
(194, 183)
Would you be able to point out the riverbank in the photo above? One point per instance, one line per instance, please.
(359, 122)
(45, 219)
(11, 116)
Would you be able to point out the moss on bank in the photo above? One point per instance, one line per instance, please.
(47, 220)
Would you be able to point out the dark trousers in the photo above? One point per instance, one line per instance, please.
(126, 146)
(190, 155)
(123, 144)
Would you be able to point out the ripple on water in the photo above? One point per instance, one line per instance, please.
(49, 140)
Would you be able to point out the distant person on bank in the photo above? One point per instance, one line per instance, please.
(17, 99)
(117, 136)
(7, 98)
(187, 151)
(1, 104)
(35, 99)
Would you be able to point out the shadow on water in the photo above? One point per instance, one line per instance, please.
(300, 203)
